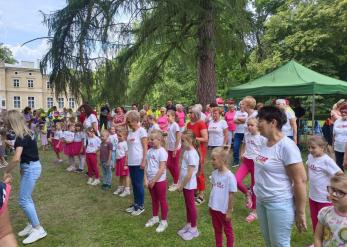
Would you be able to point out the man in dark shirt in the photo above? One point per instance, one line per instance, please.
(104, 111)
(170, 106)
(299, 113)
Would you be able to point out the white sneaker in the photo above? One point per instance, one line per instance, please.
(71, 168)
(152, 221)
(125, 193)
(26, 231)
(162, 226)
(90, 181)
(118, 190)
(36, 234)
(130, 209)
(183, 230)
(96, 182)
(138, 211)
(173, 187)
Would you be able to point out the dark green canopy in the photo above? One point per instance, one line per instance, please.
(290, 79)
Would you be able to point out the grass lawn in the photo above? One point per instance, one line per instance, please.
(75, 214)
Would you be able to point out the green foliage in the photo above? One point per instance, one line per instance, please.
(6, 55)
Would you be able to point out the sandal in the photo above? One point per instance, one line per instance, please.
(199, 200)
(251, 217)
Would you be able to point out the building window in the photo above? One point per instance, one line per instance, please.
(30, 83)
(3, 103)
(15, 83)
(60, 102)
(31, 102)
(16, 73)
(49, 102)
(49, 85)
(29, 73)
(72, 103)
(16, 102)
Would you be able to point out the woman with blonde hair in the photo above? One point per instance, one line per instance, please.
(27, 155)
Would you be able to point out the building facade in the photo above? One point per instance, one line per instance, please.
(24, 85)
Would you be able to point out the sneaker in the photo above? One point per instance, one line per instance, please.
(90, 181)
(138, 211)
(118, 190)
(26, 231)
(190, 234)
(36, 234)
(78, 170)
(71, 168)
(130, 209)
(96, 182)
(162, 226)
(152, 221)
(125, 193)
(199, 200)
(173, 187)
(183, 230)
(60, 161)
(235, 165)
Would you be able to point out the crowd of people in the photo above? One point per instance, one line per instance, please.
(140, 146)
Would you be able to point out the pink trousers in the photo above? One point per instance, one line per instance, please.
(220, 223)
(173, 165)
(158, 195)
(92, 164)
(189, 200)
(245, 168)
(314, 209)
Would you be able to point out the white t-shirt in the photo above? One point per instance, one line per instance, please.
(93, 144)
(203, 116)
(171, 136)
(253, 144)
(190, 158)
(320, 170)
(154, 126)
(122, 149)
(135, 149)
(216, 133)
(58, 135)
(79, 136)
(271, 180)
(89, 122)
(222, 185)
(287, 128)
(340, 135)
(240, 128)
(69, 136)
(154, 157)
(114, 140)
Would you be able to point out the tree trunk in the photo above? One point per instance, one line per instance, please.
(206, 84)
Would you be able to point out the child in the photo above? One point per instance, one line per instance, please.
(43, 135)
(114, 140)
(69, 137)
(152, 125)
(93, 146)
(3, 162)
(249, 150)
(122, 170)
(79, 146)
(332, 220)
(321, 168)
(155, 180)
(105, 160)
(57, 142)
(222, 197)
(174, 148)
(188, 184)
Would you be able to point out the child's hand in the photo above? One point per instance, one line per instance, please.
(142, 166)
(145, 183)
(151, 185)
(7, 178)
(180, 188)
(228, 215)
(126, 167)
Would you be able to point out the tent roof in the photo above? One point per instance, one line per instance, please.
(290, 79)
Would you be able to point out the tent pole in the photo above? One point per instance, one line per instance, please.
(313, 111)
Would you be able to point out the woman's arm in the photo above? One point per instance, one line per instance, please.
(226, 136)
(14, 162)
(177, 143)
(318, 235)
(204, 136)
(144, 147)
(295, 129)
(297, 174)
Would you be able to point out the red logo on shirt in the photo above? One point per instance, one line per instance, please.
(219, 185)
(261, 159)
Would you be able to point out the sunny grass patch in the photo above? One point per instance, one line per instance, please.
(75, 214)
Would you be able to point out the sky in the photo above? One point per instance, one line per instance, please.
(21, 21)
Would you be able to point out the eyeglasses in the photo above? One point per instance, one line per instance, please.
(336, 192)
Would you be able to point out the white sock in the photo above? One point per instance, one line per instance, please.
(194, 229)
(164, 221)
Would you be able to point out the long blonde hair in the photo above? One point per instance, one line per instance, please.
(15, 120)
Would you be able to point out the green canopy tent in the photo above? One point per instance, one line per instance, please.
(291, 79)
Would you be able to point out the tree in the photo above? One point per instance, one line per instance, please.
(6, 54)
(88, 34)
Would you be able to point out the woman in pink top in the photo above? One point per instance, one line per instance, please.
(119, 117)
(229, 118)
(181, 116)
(163, 121)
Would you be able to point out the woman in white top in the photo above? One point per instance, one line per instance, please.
(340, 136)
(240, 121)
(91, 120)
(280, 181)
(290, 128)
(217, 130)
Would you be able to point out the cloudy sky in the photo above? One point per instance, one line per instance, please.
(21, 21)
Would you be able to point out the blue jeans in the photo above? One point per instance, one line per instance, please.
(30, 174)
(113, 159)
(136, 176)
(276, 222)
(238, 138)
(230, 137)
(106, 173)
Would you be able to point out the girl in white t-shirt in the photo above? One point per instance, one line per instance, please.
(173, 148)
(188, 184)
(249, 150)
(79, 146)
(222, 197)
(340, 136)
(155, 180)
(321, 168)
(93, 146)
(68, 137)
(152, 125)
(113, 138)
(332, 220)
(57, 141)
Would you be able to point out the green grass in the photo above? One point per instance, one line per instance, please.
(75, 214)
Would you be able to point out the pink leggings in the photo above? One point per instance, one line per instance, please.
(246, 167)
(219, 222)
(158, 195)
(314, 209)
(173, 165)
(189, 200)
(92, 164)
